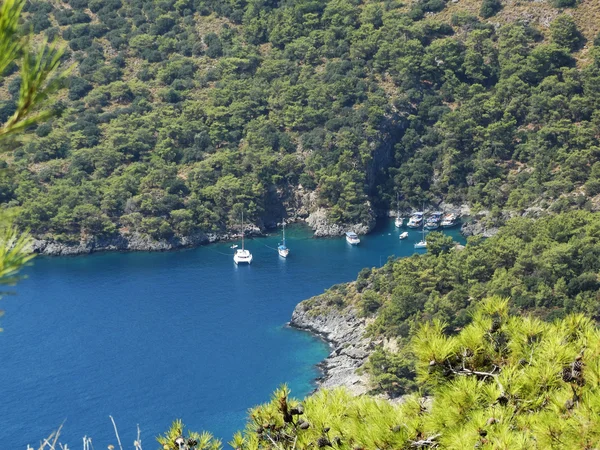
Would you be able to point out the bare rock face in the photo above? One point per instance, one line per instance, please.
(129, 242)
(322, 227)
(345, 332)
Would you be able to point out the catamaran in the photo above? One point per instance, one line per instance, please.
(282, 249)
(241, 255)
(352, 238)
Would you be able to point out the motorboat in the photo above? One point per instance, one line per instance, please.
(352, 238)
(416, 220)
(404, 235)
(449, 220)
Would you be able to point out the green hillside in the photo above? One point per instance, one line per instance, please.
(182, 113)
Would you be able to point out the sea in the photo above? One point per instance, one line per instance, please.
(147, 338)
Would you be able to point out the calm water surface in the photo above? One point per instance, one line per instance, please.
(150, 337)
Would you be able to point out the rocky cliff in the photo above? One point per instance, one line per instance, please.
(345, 333)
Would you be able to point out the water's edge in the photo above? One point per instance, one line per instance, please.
(344, 331)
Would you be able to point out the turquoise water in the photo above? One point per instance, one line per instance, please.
(150, 337)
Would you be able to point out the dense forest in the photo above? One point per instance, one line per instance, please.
(548, 267)
(180, 114)
(503, 382)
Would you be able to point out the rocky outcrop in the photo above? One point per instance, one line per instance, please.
(322, 227)
(345, 332)
(132, 242)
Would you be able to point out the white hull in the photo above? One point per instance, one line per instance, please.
(404, 235)
(398, 222)
(242, 257)
(421, 244)
(283, 253)
(351, 241)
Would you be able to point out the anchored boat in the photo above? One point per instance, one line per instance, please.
(241, 255)
(282, 249)
(352, 238)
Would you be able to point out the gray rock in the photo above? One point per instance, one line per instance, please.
(322, 227)
(345, 333)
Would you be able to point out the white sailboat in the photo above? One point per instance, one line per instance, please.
(241, 255)
(422, 243)
(282, 249)
(399, 220)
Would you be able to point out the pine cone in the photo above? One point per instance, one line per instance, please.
(496, 323)
(503, 400)
(323, 442)
(577, 365)
(567, 375)
(303, 425)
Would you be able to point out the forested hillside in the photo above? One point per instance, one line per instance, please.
(182, 113)
(549, 268)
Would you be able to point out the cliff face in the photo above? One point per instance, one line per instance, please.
(345, 332)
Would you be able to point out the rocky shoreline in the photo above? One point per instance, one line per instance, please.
(344, 331)
(137, 242)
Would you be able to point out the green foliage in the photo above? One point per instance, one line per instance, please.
(564, 3)
(231, 102)
(504, 381)
(565, 33)
(178, 438)
(490, 8)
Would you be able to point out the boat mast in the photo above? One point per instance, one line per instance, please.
(423, 224)
(284, 234)
(242, 230)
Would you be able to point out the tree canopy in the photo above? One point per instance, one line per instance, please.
(178, 113)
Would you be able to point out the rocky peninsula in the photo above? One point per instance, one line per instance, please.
(344, 331)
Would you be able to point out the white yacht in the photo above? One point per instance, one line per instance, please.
(449, 220)
(282, 249)
(241, 255)
(415, 221)
(404, 235)
(352, 238)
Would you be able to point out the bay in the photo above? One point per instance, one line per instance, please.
(151, 337)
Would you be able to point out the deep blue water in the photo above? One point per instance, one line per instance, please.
(150, 337)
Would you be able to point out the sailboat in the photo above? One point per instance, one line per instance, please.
(241, 255)
(422, 243)
(282, 249)
(399, 220)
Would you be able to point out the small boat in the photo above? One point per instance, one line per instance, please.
(432, 225)
(399, 220)
(241, 255)
(449, 220)
(416, 220)
(404, 235)
(422, 243)
(234, 246)
(352, 238)
(282, 249)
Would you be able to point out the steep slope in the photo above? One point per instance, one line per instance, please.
(183, 114)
